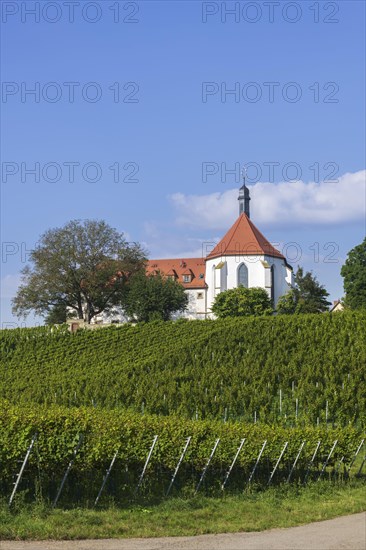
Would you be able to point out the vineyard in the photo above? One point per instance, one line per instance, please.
(308, 368)
(92, 438)
(181, 406)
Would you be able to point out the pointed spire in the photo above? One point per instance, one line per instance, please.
(244, 198)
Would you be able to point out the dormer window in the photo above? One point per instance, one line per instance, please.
(187, 278)
(172, 275)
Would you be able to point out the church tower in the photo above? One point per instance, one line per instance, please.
(244, 199)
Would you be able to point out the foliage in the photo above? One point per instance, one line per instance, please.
(57, 315)
(308, 296)
(83, 266)
(354, 275)
(287, 303)
(232, 368)
(58, 430)
(241, 302)
(154, 297)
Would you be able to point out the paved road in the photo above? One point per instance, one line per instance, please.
(345, 533)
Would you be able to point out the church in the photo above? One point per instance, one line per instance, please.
(242, 257)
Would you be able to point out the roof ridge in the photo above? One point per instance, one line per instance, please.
(246, 233)
(237, 223)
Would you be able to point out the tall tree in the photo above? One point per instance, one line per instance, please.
(57, 315)
(153, 297)
(354, 277)
(83, 266)
(241, 302)
(308, 295)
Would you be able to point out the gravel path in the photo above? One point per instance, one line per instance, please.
(344, 533)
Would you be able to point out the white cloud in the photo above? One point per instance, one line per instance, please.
(284, 203)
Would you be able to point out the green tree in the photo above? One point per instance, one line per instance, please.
(242, 301)
(83, 266)
(354, 277)
(307, 296)
(57, 315)
(153, 297)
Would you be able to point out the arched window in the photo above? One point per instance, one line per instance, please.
(273, 283)
(243, 275)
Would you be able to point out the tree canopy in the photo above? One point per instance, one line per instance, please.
(153, 297)
(354, 277)
(242, 301)
(308, 295)
(83, 266)
(57, 315)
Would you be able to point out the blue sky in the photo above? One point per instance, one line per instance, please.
(150, 94)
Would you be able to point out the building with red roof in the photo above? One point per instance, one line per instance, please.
(242, 257)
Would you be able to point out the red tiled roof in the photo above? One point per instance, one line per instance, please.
(185, 266)
(243, 238)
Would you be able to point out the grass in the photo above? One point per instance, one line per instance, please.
(284, 506)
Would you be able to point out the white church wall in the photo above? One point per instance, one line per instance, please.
(210, 279)
(256, 274)
(259, 275)
(254, 266)
(282, 277)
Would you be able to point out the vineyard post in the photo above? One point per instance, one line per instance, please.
(146, 464)
(355, 456)
(327, 459)
(296, 407)
(277, 463)
(75, 452)
(295, 461)
(105, 478)
(178, 465)
(19, 476)
(311, 461)
(207, 465)
(257, 462)
(338, 466)
(233, 463)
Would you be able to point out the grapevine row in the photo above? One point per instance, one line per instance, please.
(307, 368)
(58, 430)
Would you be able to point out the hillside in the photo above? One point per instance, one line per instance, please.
(275, 368)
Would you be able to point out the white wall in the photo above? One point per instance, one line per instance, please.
(283, 278)
(258, 275)
(196, 308)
